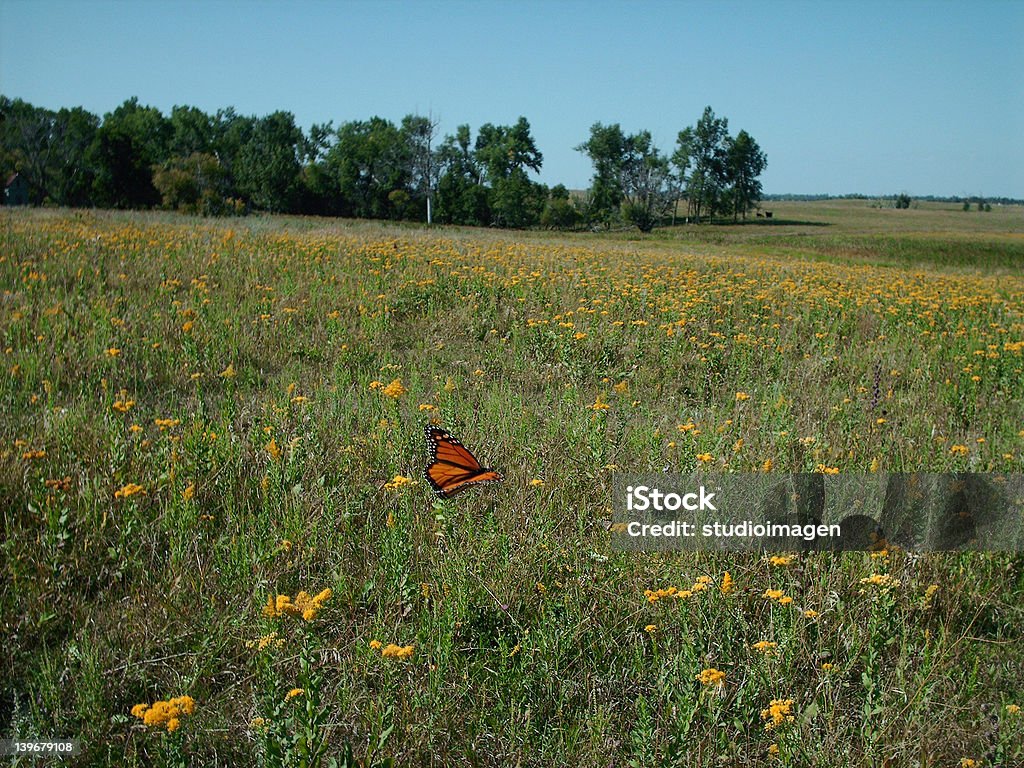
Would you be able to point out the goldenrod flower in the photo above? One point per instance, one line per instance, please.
(393, 651)
(123, 404)
(273, 449)
(394, 390)
(884, 580)
(165, 713)
(782, 560)
(129, 490)
(397, 482)
(778, 712)
(727, 583)
(711, 677)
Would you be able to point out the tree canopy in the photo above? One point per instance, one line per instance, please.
(226, 163)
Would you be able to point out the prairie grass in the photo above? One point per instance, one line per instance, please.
(198, 417)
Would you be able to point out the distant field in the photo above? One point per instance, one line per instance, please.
(199, 415)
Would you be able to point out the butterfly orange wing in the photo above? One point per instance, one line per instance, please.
(452, 468)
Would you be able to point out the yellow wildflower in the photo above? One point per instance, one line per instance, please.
(711, 677)
(129, 490)
(393, 651)
(394, 390)
(778, 712)
(397, 482)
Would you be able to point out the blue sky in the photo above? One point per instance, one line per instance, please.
(870, 97)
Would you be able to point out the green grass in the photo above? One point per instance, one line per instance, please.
(265, 342)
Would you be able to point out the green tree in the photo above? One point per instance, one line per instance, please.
(606, 149)
(418, 133)
(193, 184)
(647, 183)
(266, 167)
(744, 163)
(461, 195)
(130, 142)
(560, 212)
(49, 149)
(192, 130)
(369, 160)
(505, 153)
(705, 147)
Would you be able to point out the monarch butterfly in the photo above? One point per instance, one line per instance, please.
(452, 468)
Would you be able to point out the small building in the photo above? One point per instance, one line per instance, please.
(16, 190)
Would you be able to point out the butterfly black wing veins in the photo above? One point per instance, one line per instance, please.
(450, 474)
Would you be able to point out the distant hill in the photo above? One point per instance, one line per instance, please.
(927, 198)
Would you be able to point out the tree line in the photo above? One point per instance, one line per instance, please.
(227, 163)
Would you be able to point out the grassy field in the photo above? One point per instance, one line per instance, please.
(200, 416)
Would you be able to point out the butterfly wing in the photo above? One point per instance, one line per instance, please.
(452, 468)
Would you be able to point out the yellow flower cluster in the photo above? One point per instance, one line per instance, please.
(766, 647)
(779, 711)
(273, 449)
(778, 595)
(397, 482)
(711, 677)
(304, 605)
(884, 580)
(394, 390)
(165, 713)
(392, 651)
(265, 641)
(129, 490)
(702, 582)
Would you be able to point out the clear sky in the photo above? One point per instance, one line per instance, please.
(843, 96)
